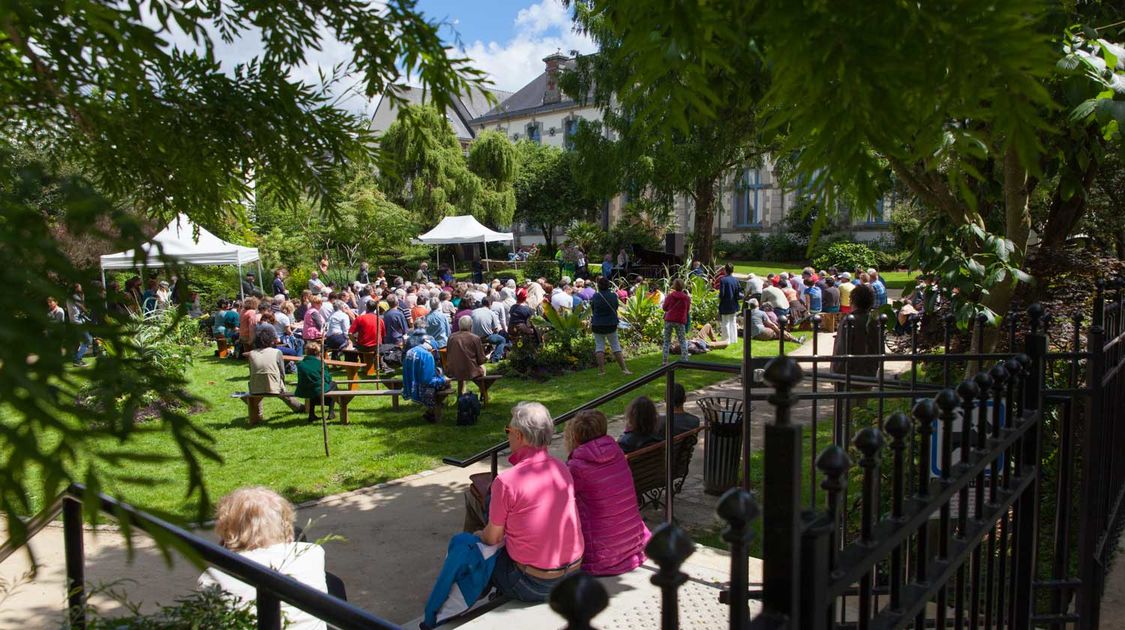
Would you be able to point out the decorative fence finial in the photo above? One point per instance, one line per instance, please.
(579, 598)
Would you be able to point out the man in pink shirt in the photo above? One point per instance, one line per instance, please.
(532, 509)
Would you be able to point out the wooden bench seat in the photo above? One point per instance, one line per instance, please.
(343, 396)
(223, 346)
(483, 384)
(647, 466)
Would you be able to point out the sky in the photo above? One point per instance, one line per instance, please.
(507, 39)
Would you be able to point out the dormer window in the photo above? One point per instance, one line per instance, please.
(535, 132)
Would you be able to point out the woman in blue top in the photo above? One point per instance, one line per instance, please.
(603, 323)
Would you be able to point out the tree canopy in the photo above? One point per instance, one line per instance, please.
(120, 128)
(423, 168)
(548, 195)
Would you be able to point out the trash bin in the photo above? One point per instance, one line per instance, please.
(723, 450)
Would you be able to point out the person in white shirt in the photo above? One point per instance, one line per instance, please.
(257, 524)
(560, 298)
(336, 332)
(754, 285)
(315, 285)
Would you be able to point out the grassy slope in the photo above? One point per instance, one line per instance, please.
(287, 454)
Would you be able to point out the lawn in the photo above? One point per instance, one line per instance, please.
(894, 279)
(287, 453)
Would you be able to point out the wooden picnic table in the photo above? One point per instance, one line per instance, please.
(351, 368)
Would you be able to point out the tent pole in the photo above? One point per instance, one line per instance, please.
(105, 292)
(484, 250)
(261, 280)
(241, 293)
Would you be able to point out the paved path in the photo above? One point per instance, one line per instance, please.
(396, 537)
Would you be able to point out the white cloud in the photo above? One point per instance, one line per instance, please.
(541, 29)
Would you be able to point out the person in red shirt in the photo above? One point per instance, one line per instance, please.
(677, 307)
(367, 330)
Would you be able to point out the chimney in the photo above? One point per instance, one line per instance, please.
(554, 64)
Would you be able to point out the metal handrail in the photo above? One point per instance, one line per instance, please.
(637, 383)
(272, 587)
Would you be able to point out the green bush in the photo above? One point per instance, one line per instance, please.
(541, 267)
(207, 608)
(644, 317)
(782, 247)
(847, 256)
(750, 247)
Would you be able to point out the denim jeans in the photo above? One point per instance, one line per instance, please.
(499, 344)
(516, 584)
(680, 336)
(83, 347)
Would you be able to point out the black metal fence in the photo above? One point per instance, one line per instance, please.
(992, 501)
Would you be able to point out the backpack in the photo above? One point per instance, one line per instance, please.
(468, 409)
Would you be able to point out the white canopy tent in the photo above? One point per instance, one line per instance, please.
(462, 230)
(177, 244)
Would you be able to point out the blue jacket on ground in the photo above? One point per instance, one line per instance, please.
(467, 568)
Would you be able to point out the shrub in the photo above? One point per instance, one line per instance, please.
(644, 317)
(542, 267)
(750, 247)
(846, 256)
(588, 236)
(704, 302)
(207, 608)
(782, 247)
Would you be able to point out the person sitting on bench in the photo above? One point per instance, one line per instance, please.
(613, 532)
(310, 383)
(531, 508)
(257, 523)
(267, 369)
(641, 421)
(465, 358)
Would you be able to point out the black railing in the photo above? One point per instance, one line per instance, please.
(273, 588)
(949, 530)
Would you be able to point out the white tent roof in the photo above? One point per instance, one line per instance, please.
(462, 229)
(177, 242)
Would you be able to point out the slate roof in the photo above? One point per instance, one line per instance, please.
(463, 111)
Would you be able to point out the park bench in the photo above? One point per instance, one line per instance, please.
(342, 396)
(647, 466)
(483, 383)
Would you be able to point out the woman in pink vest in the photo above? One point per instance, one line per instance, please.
(314, 321)
(612, 529)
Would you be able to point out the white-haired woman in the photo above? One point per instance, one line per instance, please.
(532, 509)
(257, 523)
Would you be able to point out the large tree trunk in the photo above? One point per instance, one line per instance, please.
(1017, 228)
(704, 196)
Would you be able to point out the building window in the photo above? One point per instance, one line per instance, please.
(570, 127)
(535, 132)
(749, 198)
(879, 215)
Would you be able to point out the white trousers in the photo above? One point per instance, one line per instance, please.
(729, 327)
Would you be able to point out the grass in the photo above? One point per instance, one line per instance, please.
(900, 280)
(287, 454)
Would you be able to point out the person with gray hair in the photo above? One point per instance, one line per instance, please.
(267, 370)
(437, 324)
(531, 508)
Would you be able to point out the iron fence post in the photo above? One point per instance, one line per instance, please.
(1027, 506)
(269, 610)
(747, 385)
(738, 508)
(669, 547)
(75, 562)
(1089, 572)
(669, 459)
(578, 598)
(781, 497)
